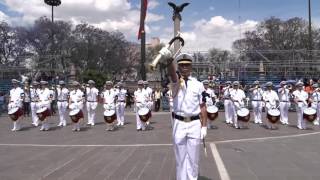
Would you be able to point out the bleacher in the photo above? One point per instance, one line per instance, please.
(5, 85)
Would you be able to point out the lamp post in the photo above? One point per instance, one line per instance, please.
(52, 3)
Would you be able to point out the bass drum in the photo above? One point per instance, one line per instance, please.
(212, 112)
(144, 114)
(43, 113)
(243, 114)
(15, 113)
(310, 114)
(76, 115)
(109, 116)
(273, 115)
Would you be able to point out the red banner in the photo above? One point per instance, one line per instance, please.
(143, 15)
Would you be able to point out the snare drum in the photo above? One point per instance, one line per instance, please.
(309, 114)
(144, 114)
(76, 115)
(43, 113)
(212, 112)
(243, 114)
(273, 115)
(109, 116)
(15, 113)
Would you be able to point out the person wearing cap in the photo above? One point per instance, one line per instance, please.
(271, 98)
(16, 96)
(121, 104)
(300, 99)
(150, 98)
(257, 102)
(34, 97)
(228, 105)
(237, 96)
(62, 98)
(284, 97)
(315, 99)
(26, 99)
(45, 101)
(210, 99)
(92, 96)
(189, 115)
(76, 101)
(109, 97)
(140, 100)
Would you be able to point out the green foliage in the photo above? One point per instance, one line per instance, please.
(99, 77)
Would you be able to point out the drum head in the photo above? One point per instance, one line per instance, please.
(274, 112)
(310, 111)
(212, 109)
(310, 114)
(243, 112)
(143, 111)
(41, 110)
(74, 112)
(13, 110)
(109, 112)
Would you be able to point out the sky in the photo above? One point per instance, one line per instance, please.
(205, 23)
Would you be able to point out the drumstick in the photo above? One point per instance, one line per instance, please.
(204, 147)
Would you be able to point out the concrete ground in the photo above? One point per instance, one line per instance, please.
(94, 153)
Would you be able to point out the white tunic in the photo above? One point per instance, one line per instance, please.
(122, 95)
(284, 94)
(16, 95)
(209, 101)
(108, 96)
(62, 94)
(237, 95)
(92, 94)
(141, 96)
(270, 97)
(257, 94)
(302, 97)
(76, 96)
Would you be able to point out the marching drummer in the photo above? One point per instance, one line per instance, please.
(109, 98)
(300, 98)
(284, 96)
(228, 105)
(315, 97)
(150, 99)
(237, 96)
(92, 95)
(34, 95)
(270, 97)
(76, 101)
(45, 103)
(257, 102)
(140, 99)
(62, 97)
(16, 96)
(211, 99)
(121, 104)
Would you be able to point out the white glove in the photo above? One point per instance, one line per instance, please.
(165, 52)
(203, 132)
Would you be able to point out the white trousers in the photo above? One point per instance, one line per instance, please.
(186, 144)
(301, 123)
(16, 124)
(34, 108)
(284, 109)
(62, 108)
(257, 111)
(120, 112)
(91, 109)
(229, 112)
(317, 107)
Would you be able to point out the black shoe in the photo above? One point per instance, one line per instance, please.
(139, 129)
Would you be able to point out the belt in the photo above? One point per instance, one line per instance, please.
(255, 100)
(62, 100)
(284, 101)
(121, 101)
(226, 98)
(91, 101)
(185, 119)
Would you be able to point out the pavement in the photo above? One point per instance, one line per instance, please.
(255, 153)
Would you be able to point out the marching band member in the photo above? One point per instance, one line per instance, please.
(316, 102)
(92, 96)
(45, 101)
(270, 97)
(141, 100)
(300, 98)
(228, 107)
(284, 96)
(62, 97)
(109, 98)
(53, 100)
(26, 99)
(257, 102)
(211, 99)
(121, 104)
(34, 96)
(76, 101)
(16, 96)
(237, 97)
(149, 97)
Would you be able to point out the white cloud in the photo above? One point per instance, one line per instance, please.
(3, 17)
(216, 32)
(153, 4)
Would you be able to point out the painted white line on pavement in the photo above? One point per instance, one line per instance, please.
(85, 145)
(220, 165)
(266, 138)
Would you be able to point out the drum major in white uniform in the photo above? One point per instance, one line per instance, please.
(92, 95)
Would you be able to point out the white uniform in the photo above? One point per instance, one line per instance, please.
(186, 135)
(92, 103)
(316, 105)
(45, 101)
(257, 105)
(148, 92)
(228, 107)
(34, 93)
(141, 99)
(271, 98)
(16, 100)
(62, 97)
(209, 102)
(76, 102)
(237, 96)
(109, 97)
(121, 104)
(284, 98)
(302, 97)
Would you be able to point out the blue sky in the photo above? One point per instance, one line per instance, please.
(207, 22)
